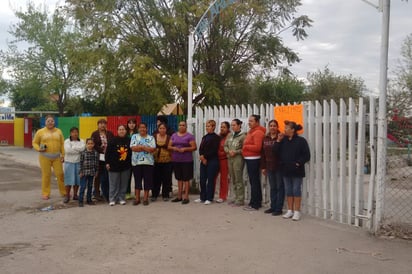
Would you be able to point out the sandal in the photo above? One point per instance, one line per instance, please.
(145, 203)
(136, 202)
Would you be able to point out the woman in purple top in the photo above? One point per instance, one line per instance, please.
(182, 144)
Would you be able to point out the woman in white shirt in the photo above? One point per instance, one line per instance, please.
(73, 147)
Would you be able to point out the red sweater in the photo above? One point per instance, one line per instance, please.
(252, 146)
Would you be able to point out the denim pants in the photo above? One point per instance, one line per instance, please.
(277, 190)
(208, 173)
(253, 170)
(86, 181)
(293, 186)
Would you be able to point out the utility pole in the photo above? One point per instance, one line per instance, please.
(382, 119)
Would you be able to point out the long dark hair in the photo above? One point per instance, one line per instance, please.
(127, 126)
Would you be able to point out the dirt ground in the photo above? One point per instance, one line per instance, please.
(171, 238)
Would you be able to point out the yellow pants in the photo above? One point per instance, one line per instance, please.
(45, 165)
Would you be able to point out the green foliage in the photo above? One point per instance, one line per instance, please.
(52, 56)
(281, 90)
(28, 95)
(326, 85)
(400, 87)
(123, 33)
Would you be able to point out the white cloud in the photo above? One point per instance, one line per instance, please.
(346, 37)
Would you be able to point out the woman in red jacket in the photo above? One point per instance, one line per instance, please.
(251, 151)
(223, 163)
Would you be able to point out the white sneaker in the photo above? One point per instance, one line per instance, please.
(112, 203)
(288, 214)
(296, 216)
(122, 202)
(207, 202)
(220, 200)
(198, 201)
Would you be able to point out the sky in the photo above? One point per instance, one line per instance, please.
(345, 36)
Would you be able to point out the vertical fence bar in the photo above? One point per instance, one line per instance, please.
(360, 162)
(351, 160)
(318, 158)
(326, 159)
(334, 158)
(312, 167)
(342, 159)
(305, 185)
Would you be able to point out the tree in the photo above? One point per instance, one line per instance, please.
(52, 58)
(326, 85)
(30, 95)
(400, 87)
(242, 38)
(284, 89)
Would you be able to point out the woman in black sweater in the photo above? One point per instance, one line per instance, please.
(118, 163)
(293, 151)
(209, 166)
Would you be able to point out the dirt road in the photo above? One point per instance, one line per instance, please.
(171, 238)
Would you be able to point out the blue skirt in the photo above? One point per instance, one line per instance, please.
(71, 174)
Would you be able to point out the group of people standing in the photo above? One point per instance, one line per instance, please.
(104, 164)
(279, 156)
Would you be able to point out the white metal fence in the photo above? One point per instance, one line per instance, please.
(336, 186)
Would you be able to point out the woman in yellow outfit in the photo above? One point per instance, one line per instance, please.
(49, 141)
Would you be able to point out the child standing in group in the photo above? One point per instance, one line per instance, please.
(89, 166)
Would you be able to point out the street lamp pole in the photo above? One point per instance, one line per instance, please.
(190, 78)
(215, 8)
(382, 120)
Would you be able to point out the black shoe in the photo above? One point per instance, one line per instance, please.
(277, 213)
(98, 198)
(175, 200)
(185, 201)
(153, 199)
(269, 210)
(80, 204)
(90, 203)
(165, 199)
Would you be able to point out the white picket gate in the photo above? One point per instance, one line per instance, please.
(336, 186)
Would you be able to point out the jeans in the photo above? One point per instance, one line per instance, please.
(207, 179)
(293, 186)
(118, 181)
(277, 190)
(86, 181)
(253, 170)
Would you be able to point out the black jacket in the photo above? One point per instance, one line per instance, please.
(209, 146)
(293, 154)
